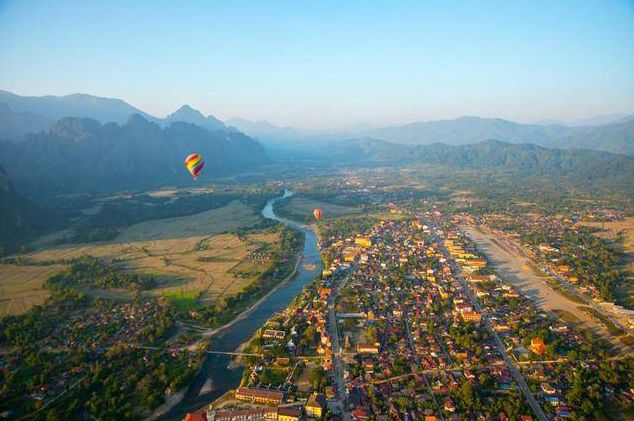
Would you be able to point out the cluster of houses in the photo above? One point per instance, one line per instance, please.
(411, 340)
(402, 294)
(264, 404)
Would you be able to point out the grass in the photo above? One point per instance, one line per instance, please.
(228, 218)
(612, 328)
(566, 316)
(183, 301)
(168, 249)
(301, 208)
(22, 287)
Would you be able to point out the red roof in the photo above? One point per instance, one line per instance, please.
(196, 416)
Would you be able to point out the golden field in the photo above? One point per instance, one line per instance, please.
(185, 254)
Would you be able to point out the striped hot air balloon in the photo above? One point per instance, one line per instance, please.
(318, 213)
(194, 164)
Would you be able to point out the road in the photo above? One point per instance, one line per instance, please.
(336, 350)
(413, 348)
(517, 376)
(513, 264)
(481, 366)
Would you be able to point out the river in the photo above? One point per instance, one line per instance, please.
(215, 369)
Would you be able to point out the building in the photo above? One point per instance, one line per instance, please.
(244, 414)
(471, 316)
(538, 346)
(265, 396)
(196, 416)
(289, 414)
(274, 334)
(363, 240)
(315, 405)
(367, 349)
(548, 389)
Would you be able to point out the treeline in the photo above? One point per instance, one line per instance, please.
(118, 214)
(92, 271)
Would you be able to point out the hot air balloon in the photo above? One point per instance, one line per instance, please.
(194, 164)
(318, 213)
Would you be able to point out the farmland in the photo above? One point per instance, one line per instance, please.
(188, 257)
(22, 287)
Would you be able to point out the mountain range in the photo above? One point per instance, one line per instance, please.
(617, 137)
(82, 154)
(524, 161)
(21, 115)
(120, 147)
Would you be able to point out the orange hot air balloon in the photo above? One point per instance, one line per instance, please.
(194, 164)
(318, 213)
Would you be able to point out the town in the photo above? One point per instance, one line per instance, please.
(410, 321)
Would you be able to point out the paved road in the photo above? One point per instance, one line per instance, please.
(517, 376)
(337, 354)
(413, 348)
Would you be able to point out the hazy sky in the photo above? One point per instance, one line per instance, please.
(328, 63)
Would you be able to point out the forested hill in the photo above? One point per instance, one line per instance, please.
(523, 160)
(81, 154)
(20, 219)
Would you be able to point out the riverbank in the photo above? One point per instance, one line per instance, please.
(231, 335)
(255, 305)
(177, 397)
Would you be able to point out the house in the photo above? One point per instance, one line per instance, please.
(244, 414)
(315, 405)
(363, 240)
(538, 346)
(289, 414)
(367, 349)
(274, 334)
(196, 416)
(548, 389)
(471, 316)
(265, 396)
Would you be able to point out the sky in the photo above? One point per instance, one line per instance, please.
(322, 63)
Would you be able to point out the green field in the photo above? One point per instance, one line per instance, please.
(183, 301)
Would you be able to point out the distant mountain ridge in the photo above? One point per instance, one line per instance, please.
(81, 154)
(15, 125)
(522, 160)
(189, 115)
(104, 110)
(616, 137)
(598, 120)
(22, 115)
(466, 130)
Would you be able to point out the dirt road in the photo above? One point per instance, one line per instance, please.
(514, 268)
